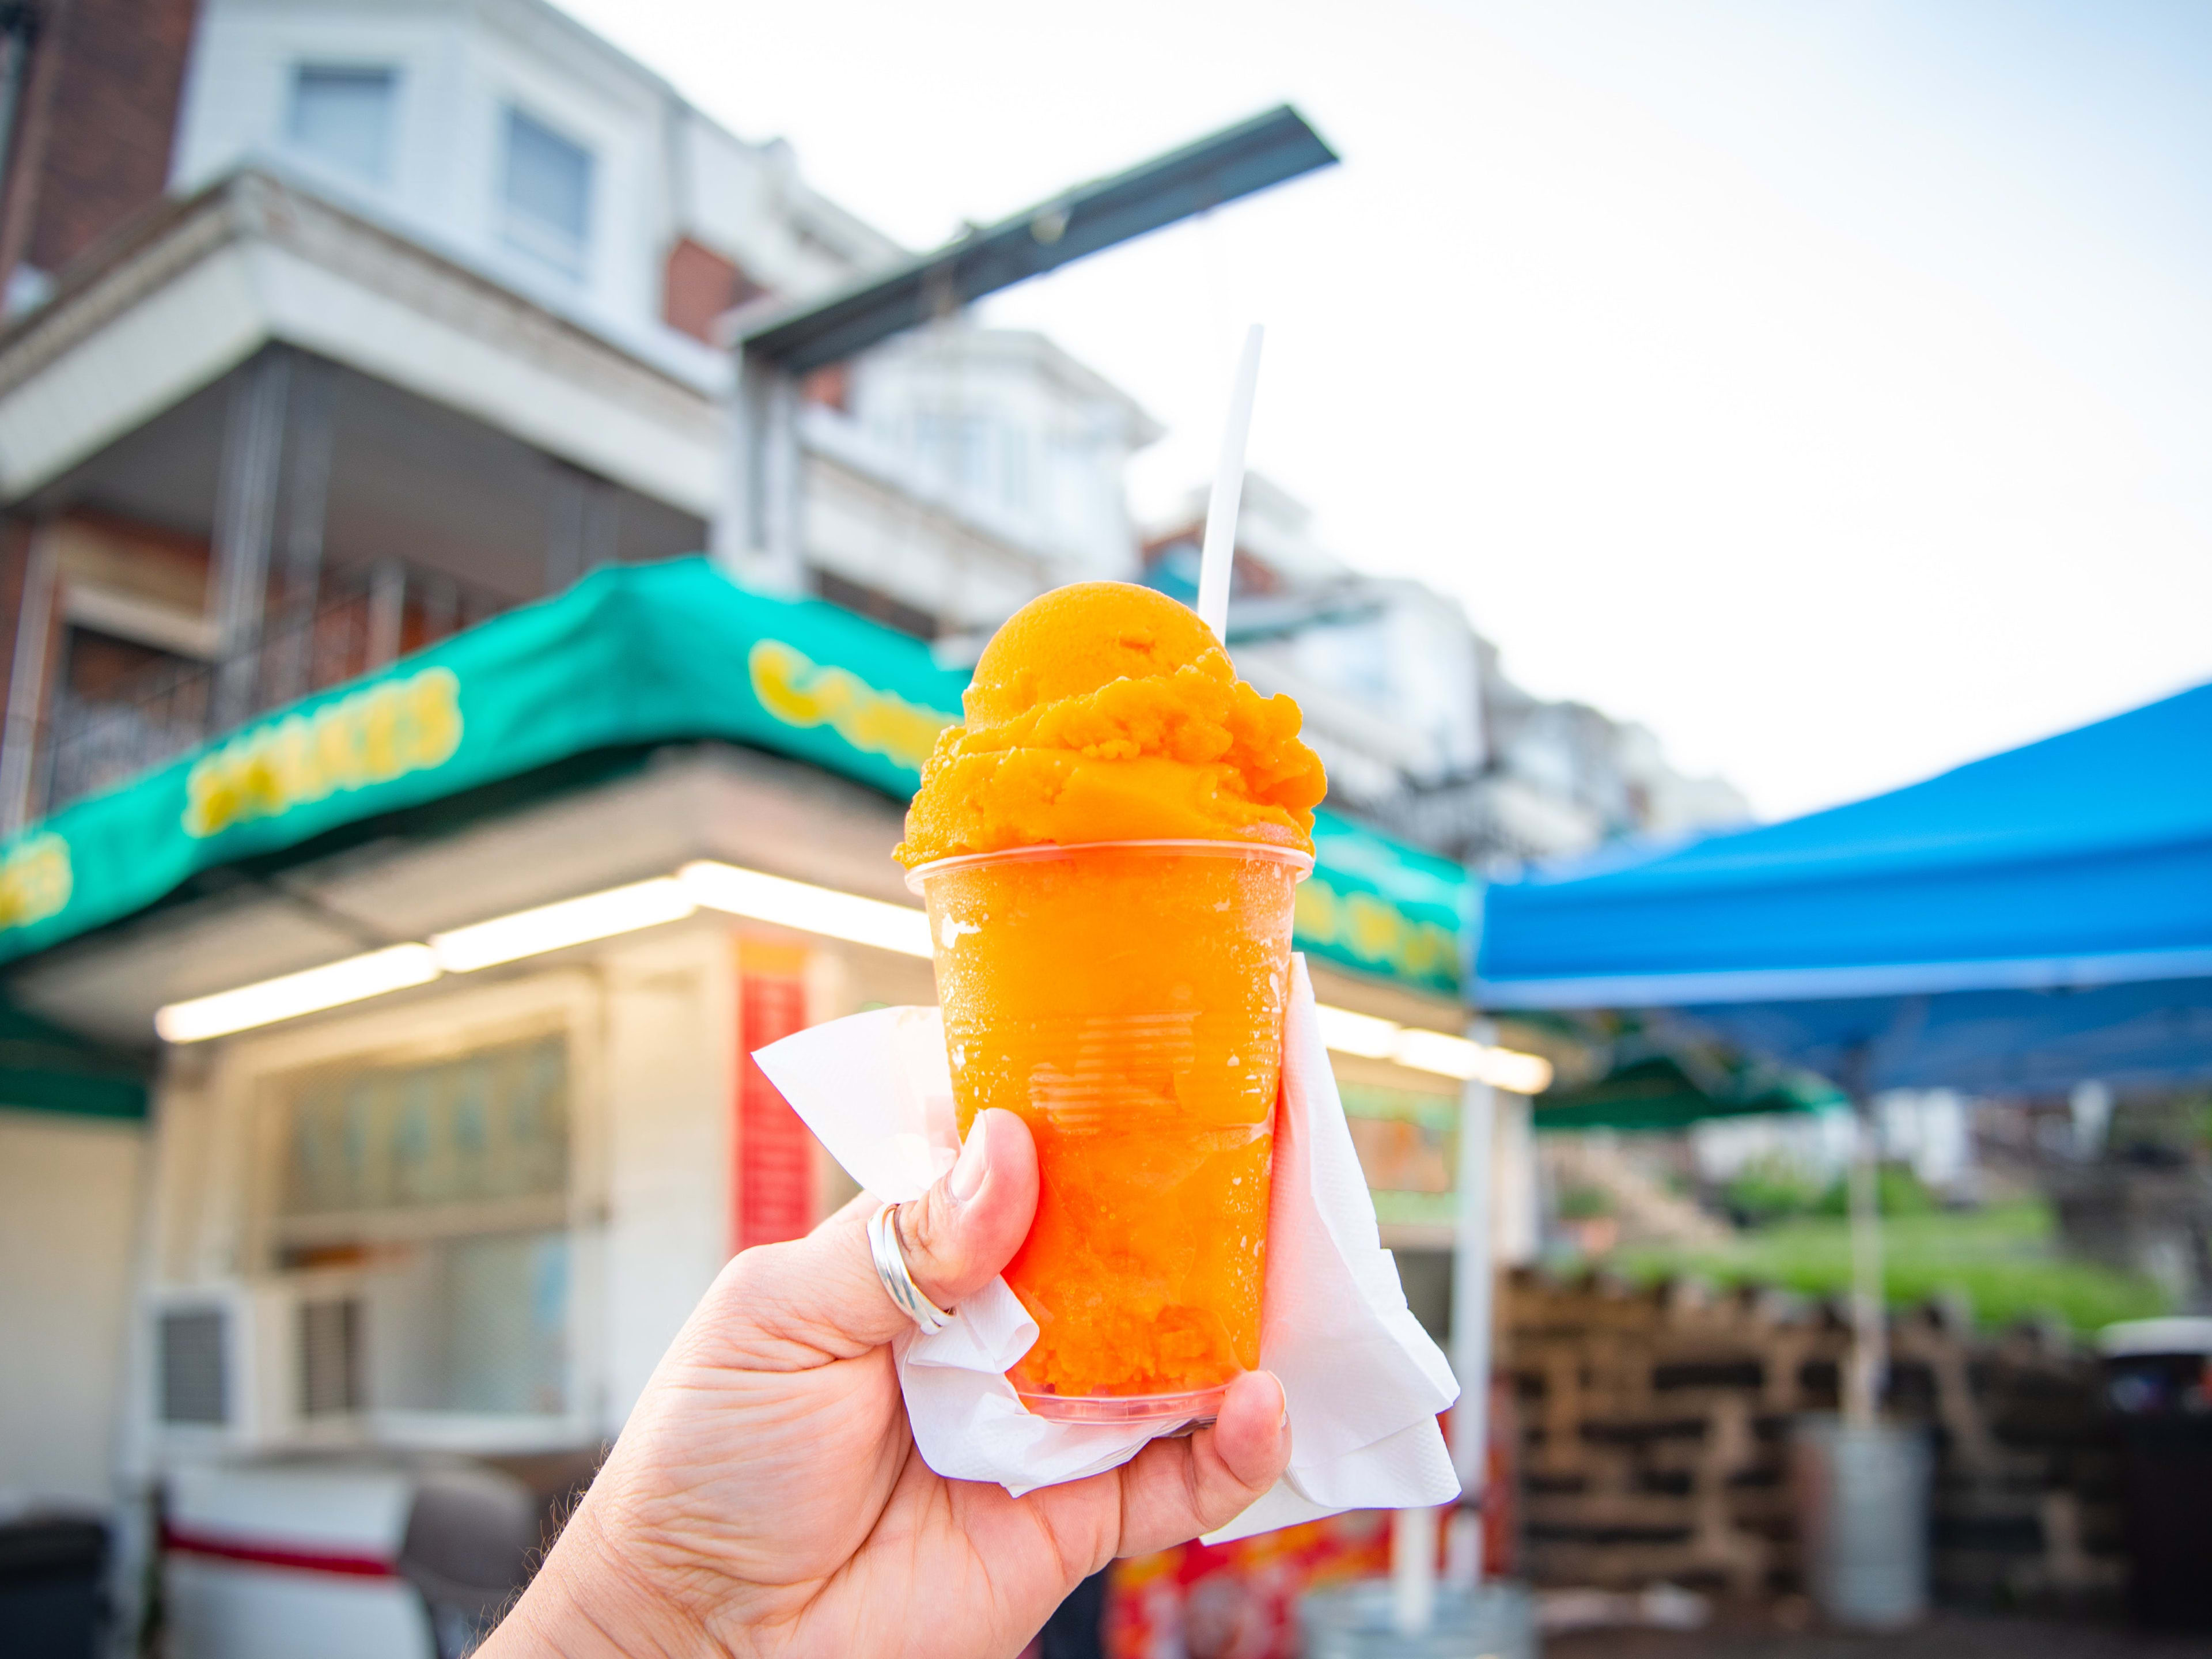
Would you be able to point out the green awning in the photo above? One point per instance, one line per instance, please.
(630, 657)
(1383, 906)
(44, 1068)
(1654, 1082)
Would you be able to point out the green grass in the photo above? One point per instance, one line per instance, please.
(2004, 1260)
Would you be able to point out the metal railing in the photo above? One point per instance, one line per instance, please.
(357, 620)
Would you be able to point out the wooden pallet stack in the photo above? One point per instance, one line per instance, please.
(1655, 1426)
(2027, 1484)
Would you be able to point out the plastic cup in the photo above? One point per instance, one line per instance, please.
(1127, 998)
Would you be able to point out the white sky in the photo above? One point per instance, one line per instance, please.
(1826, 387)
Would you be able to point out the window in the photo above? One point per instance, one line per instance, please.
(365, 1146)
(443, 1187)
(545, 193)
(343, 119)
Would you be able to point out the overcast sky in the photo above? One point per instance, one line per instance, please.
(1827, 388)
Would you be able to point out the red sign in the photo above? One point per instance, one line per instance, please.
(774, 1188)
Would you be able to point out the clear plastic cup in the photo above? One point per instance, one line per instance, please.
(1127, 999)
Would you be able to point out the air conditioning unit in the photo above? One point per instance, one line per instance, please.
(248, 1366)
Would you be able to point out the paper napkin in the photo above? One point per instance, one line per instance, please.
(1361, 1379)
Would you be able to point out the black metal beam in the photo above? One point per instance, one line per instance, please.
(1238, 161)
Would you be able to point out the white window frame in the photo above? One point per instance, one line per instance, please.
(251, 1074)
(395, 76)
(517, 233)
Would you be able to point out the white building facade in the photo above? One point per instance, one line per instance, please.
(947, 476)
(1423, 733)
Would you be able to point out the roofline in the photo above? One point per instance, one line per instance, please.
(815, 201)
(676, 357)
(188, 269)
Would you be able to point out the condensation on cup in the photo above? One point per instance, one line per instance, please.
(1127, 999)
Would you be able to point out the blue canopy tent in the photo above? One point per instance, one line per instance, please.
(2020, 924)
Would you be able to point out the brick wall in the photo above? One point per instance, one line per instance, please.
(99, 120)
(699, 285)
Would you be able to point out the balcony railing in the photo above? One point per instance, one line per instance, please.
(358, 621)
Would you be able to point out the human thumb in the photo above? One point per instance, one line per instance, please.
(957, 1236)
(954, 1240)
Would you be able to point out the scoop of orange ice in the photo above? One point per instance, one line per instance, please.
(1105, 711)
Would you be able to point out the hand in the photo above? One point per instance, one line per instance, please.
(766, 1496)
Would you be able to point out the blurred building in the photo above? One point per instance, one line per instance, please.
(1423, 733)
(1001, 429)
(409, 318)
(1930, 1131)
(2132, 1184)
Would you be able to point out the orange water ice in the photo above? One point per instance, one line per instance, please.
(1128, 1002)
(1107, 712)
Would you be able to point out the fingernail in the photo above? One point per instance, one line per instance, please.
(974, 1164)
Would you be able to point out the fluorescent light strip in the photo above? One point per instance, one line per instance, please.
(287, 997)
(552, 927)
(1514, 1071)
(1423, 1050)
(1358, 1034)
(758, 897)
(556, 926)
(1501, 1068)
(811, 909)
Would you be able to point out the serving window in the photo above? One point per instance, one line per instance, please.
(438, 1188)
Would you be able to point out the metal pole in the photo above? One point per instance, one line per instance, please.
(600, 528)
(564, 528)
(732, 537)
(244, 519)
(387, 611)
(1870, 1359)
(1474, 1272)
(310, 423)
(758, 537)
(1412, 1570)
(782, 513)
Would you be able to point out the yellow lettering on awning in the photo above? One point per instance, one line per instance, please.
(35, 880)
(380, 732)
(798, 691)
(1374, 930)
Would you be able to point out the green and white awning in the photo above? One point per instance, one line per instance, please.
(631, 657)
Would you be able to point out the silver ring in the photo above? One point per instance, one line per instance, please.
(898, 1283)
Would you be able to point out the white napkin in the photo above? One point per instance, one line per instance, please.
(1363, 1380)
